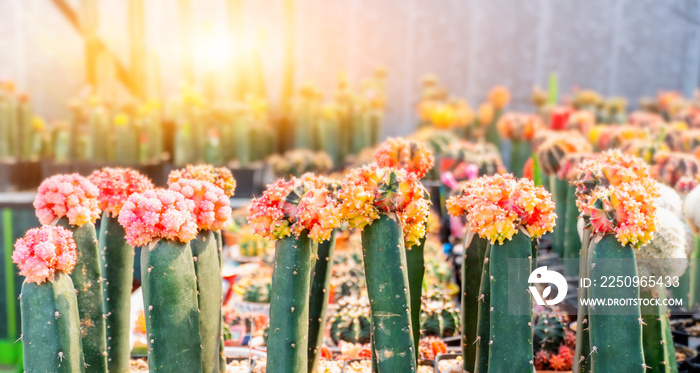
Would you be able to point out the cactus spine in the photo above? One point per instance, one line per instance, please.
(205, 254)
(117, 262)
(87, 279)
(318, 298)
(387, 286)
(472, 269)
(510, 316)
(659, 353)
(287, 345)
(51, 326)
(620, 351)
(170, 307)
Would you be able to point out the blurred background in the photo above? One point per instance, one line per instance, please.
(629, 48)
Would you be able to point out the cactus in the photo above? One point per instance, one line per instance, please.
(549, 332)
(483, 332)
(211, 209)
(382, 242)
(520, 129)
(171, 308)
(610, 258)
(509, 309)
(572, 242)
(168, 277)
(438, 318)
(52, 207)
(116, 260)
(472, 268)
(288, 341)
(604, 201)
(582, 351)
(49, 307)
(301, 211)
(209, 297)
(51, 327)
(351, 322)
(511, 330)
(657, 342)
(318, 298)
(87, 278)
(415, 264)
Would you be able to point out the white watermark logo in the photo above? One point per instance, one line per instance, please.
(542, 276)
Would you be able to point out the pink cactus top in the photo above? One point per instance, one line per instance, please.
(498, 206)
(211, 206)
(370, 190)
(221, 176)
(43, 251)
(116, 185)
(412, 156)
(616, 194)
(72, 196)
(292, 207)
(158, 213)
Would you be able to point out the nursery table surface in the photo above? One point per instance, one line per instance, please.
(12, 199)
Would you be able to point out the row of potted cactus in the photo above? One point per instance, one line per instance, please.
(84, 283)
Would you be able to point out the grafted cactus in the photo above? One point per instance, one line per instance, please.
(390, 210)
(508, 313)
(71, 201)
(50, 322)
(162, 222)
(605, 186)
(117, 259)
(297, 214)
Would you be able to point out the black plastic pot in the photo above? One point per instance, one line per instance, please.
(248, 181)
(680, 336)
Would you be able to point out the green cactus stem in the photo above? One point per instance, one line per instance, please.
(387, 286)
(511, 320)
(205, 253)
(582, 351)
(170, 307)
(620, 351)
(288, 342)
(572, 242)
(492, 134)
(87, 279)
(117, 263)
(415, 261)
(222, 355)
(481, 365)
(657, 341)
(51, 327)
(519, 153)
(472, 268)
(318, 298)
(27, 131)
(559, 190)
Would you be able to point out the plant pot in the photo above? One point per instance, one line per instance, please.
(248, 181)
(8, 170)
(28, 175)
(444, 357)
(230, 238)
(51, 168)
(680, 336)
